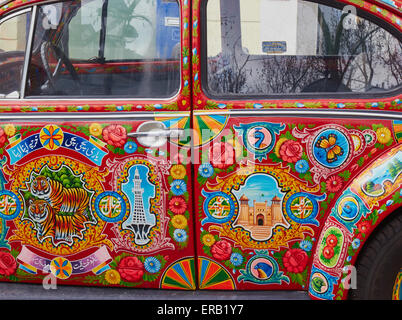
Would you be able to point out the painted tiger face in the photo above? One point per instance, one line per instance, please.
(38, 210)
(40, 187)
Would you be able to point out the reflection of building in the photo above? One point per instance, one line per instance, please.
(260, 218)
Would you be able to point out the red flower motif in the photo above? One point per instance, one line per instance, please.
(7, 264)
(222, 155)
(3, 137)
(295, 260)
(364, 226)
(332, 240)
(115, 135)
(221, 250)
(291, 151)
(328, 252)
(131, 269)
(334, 184)
(177, 205)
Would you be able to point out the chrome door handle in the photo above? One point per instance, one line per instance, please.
(155, 134)
(167, 133)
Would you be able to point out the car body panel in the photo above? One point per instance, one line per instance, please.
(244, 214)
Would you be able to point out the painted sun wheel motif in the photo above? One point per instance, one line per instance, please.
(180, 275)
(213, 276)
(206, 127)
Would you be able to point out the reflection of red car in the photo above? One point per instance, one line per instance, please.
(202, 145)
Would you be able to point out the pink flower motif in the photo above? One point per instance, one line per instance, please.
(3, 137)
(131, 269)
(7, 264)
(115, 135)
(334, 184)
(177, 205)
(291, 151)
(222, 155)
(221, 250)
(295, 260)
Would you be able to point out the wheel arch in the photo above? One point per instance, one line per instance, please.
(330, 278)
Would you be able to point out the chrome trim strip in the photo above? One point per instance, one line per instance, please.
(332, 113)
(15, 14)
(85, 117)
(28, 51)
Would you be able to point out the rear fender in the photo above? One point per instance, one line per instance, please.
(370, 198)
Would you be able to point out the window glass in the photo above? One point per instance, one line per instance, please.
(269, 47)
(109, 48)
(13, 41)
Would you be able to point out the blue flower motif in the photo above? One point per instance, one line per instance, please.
(236, 259)
(306, 245)
(178, 187)
(152, 265)
(180, 235)
(341, 105)
(355, 244)
(130, 147)
(299, 105)
(302, 166)
(120, 108)
(206, 170)
(258, 106)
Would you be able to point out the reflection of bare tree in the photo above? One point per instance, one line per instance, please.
(361, 58)
(289, 75)
(226, 74)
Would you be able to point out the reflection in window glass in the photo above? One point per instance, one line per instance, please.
(13, 40)
(266, 47)
(122, 48)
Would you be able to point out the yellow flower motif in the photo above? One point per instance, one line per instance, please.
(383, 135)
(208, 240)
(178, 171)
(179, 221)
(278, 145)
(112, 276)
(9, 129)
(95, 129)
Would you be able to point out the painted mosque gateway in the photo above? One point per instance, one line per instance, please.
(260, 217)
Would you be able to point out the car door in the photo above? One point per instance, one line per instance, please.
(292, 99)
(96, 184)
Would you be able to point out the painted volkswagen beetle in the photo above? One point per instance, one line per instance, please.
(220, 144)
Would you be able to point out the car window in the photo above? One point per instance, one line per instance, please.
(120, 48)
(272, 47)
(13, 41)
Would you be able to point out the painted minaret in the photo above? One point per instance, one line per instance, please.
(136, 222)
